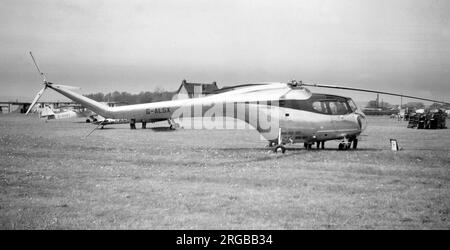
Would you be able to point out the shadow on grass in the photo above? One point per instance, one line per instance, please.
(162, 129)
(296, 149)
(106, 128)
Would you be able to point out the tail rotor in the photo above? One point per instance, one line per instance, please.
(36, 98)
(44, 80)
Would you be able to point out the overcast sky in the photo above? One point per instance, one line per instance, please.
(133, 46)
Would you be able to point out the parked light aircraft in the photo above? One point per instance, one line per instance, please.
(50, 114)
(102, 121)
(281, 112)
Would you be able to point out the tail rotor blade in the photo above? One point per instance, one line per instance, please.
(36, 98)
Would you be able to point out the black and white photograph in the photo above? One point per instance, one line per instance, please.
(205, 115)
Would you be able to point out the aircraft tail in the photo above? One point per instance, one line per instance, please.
(97, 107)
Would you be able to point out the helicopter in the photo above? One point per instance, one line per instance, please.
(282, 112)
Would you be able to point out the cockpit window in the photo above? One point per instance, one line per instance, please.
(352, 105)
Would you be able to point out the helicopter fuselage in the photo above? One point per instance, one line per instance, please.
(300, 116)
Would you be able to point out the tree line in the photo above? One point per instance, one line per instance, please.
(409, 105)
(125, 97)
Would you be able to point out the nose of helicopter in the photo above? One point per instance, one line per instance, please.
(362, 121)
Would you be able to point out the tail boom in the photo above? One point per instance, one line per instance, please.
(90, 104)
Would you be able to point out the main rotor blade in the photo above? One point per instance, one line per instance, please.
(36, 98)
(65, 86)
(37, 67)
(370, 91)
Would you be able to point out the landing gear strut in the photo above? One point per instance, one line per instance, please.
(345, 145)
(321, 144)
(133, 124)
(280, 147)
(355, 143)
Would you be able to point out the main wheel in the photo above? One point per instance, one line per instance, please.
(280, 148)
(355, 143)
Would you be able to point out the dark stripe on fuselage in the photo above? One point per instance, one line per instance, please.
(305, 105)
(223, 109)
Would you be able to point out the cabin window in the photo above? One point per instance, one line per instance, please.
(339, 108)
(320, 106)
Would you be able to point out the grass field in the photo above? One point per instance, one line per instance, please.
(52, 177)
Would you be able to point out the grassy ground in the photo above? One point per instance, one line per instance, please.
(52, 177)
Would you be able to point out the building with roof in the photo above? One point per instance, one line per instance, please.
(194, 90)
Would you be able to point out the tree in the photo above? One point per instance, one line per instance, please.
(414, 105)
(439, 106)
(99, 97)
(372, 104)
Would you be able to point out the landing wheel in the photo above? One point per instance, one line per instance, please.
(343, 146)
(88, 121)
(280, 148)
(272, 144)
(355, 143)
(172, 124)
